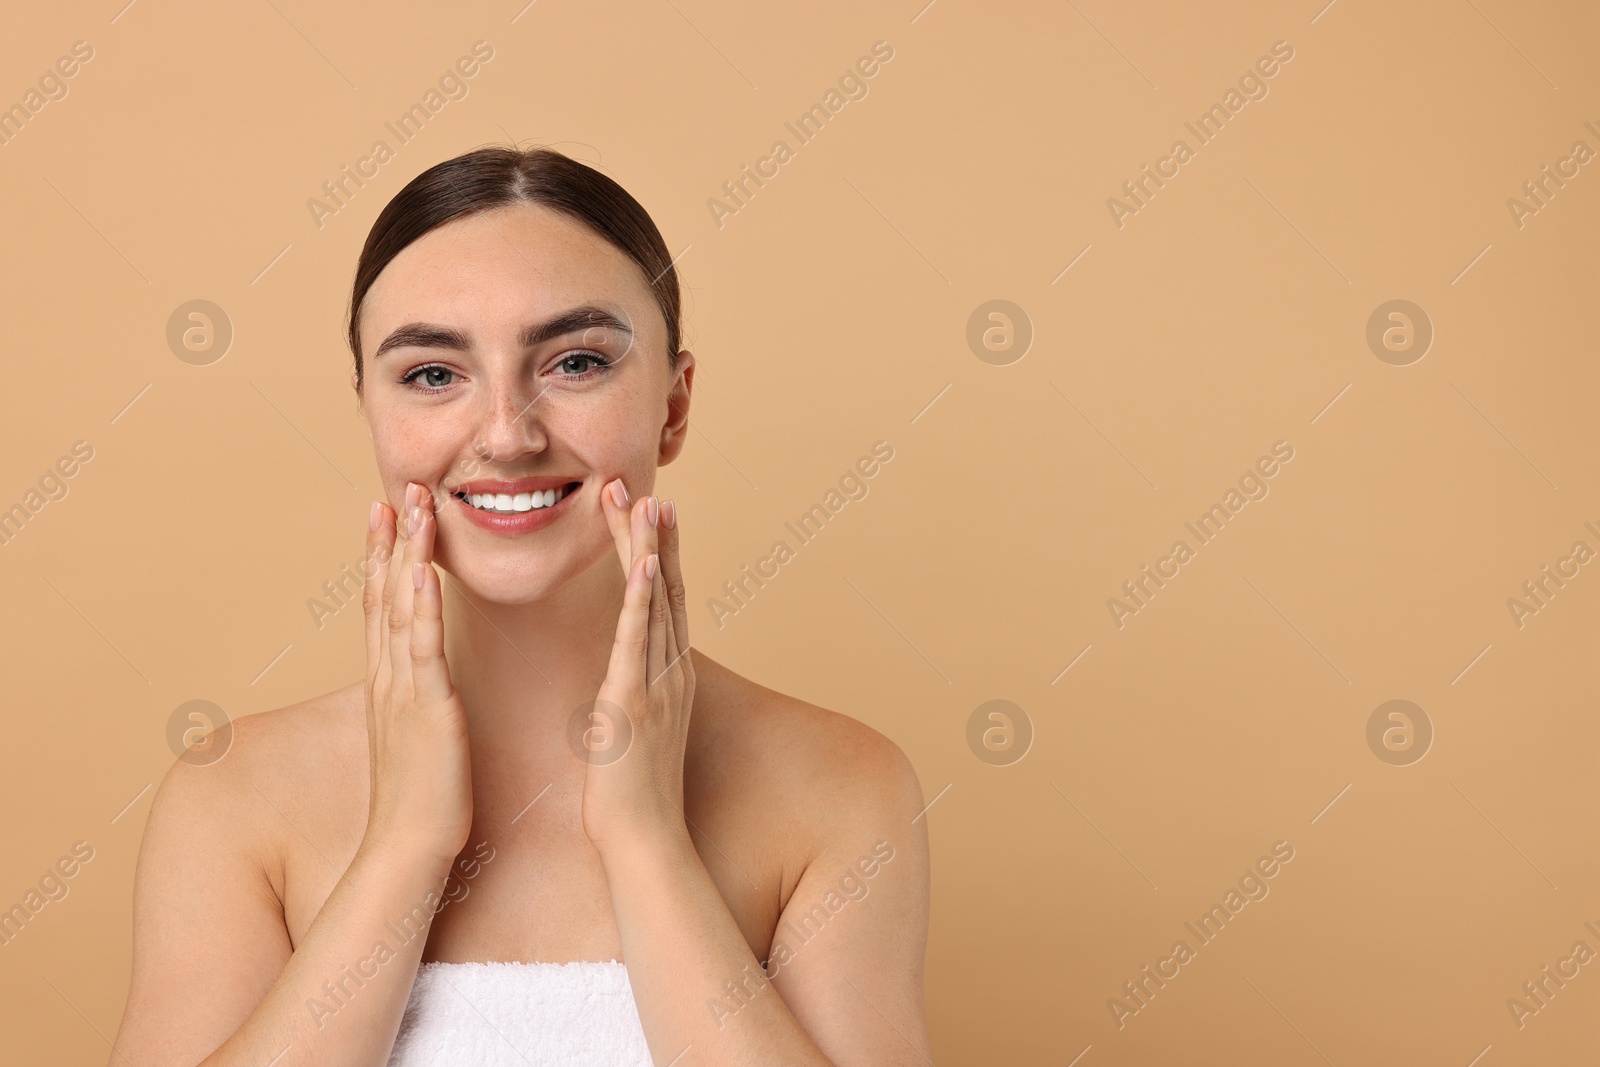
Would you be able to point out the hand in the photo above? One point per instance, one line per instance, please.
(421, 797)
(633, 786)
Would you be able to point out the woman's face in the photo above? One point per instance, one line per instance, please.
(474, 383)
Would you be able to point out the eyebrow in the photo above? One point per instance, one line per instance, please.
(428, 335)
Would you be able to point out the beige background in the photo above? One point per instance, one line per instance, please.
(829, 313)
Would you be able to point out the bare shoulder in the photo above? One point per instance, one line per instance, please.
(209, 914)
(301, 740)
(844, 803)
(234, 784)
(835, 773)
(305, 741)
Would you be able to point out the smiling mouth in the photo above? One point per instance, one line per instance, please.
(517, 503)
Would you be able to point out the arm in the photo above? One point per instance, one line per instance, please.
(846, 959)
(215, 979)
(684, 949)
(855, 930)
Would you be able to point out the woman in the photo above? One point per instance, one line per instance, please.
(543, 829)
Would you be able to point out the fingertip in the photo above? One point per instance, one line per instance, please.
(428, 534)
(383, 533)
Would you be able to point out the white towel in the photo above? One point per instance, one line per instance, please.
(521, 1014)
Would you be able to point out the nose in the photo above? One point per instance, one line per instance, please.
(513, 423)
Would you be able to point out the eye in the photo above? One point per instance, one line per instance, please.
(434, 378)
(601, 363)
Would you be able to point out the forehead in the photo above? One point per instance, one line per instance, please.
(503, 268)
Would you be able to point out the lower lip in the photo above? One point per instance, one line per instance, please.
(522, 522)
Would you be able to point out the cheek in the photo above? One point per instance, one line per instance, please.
(616, 439)
(411, 449)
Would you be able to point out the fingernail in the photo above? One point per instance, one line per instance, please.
(619, 494)
(652, 509)
(669, 514)
(375, 516)
(416, 575)
(411, 494)
(650, 566)
(414, 521)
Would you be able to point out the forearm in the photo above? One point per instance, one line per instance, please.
(694, 978)
(340, 998)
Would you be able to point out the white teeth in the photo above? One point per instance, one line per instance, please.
(505, 503)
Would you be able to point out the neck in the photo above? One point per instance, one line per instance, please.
(523, 669)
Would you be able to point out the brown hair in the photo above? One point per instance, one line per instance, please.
(496, 176)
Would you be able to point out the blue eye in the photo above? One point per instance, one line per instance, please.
(432, 384)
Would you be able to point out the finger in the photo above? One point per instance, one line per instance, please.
(625, 672)
(418, 522)
(642, 520)
(391, 587)
(391, 581)
(430, 675)
(672, 575)
(646, 519)
(618, 520)
(663, 642)
(661, 650)
(375, 569)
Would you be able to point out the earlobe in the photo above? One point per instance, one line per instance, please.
(673, 434)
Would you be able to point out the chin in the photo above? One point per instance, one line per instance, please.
(514, 573)
(508, 582)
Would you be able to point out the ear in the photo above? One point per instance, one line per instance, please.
(676, 429)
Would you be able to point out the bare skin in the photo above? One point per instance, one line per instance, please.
(270, 874)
